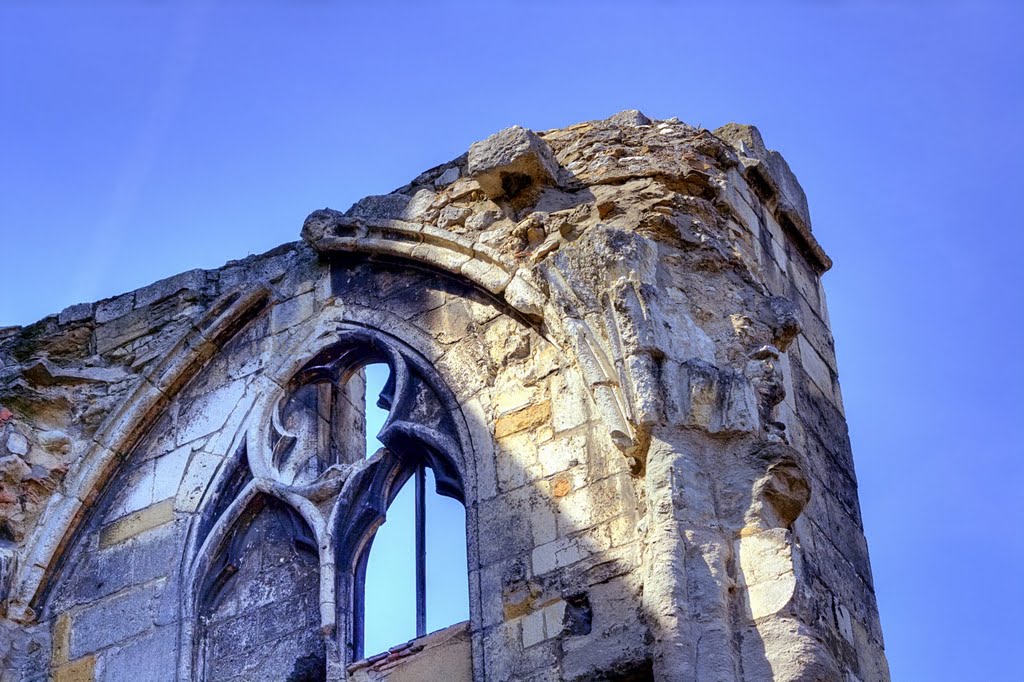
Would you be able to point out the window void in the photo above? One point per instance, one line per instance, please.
(416, 578)
(376, 377)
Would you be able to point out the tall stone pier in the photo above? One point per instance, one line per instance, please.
(609, 342)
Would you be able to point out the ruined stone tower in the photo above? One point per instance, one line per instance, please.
(608, 342)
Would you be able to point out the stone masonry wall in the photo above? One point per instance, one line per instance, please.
(611, 343)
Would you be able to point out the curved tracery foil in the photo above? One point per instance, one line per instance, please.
(347, 500)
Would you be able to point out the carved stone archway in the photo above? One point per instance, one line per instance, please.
(346, 500)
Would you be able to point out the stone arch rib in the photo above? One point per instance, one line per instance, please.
(119, 434)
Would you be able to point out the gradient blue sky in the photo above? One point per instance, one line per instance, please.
(141, 139)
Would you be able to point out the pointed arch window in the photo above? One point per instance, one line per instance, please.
(305, 452)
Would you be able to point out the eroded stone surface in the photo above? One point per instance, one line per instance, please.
(613, 336)
(511, 162)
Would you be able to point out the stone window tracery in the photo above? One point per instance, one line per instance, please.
(302, 479)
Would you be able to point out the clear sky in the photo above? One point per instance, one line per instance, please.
(140, 139)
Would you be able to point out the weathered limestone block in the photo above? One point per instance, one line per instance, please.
(748, 142)
(766, 570)
(511, 161)
(443, 655)
(609, 342)
(769, 168)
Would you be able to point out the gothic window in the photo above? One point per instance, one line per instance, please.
(296, 526)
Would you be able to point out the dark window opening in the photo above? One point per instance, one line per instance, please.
(376, 378)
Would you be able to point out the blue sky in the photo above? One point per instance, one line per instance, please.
(140, 139)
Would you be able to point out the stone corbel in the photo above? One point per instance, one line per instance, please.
(764, 550)
(720, 401)
(775, 642)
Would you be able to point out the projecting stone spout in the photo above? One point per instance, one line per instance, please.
(510, 161)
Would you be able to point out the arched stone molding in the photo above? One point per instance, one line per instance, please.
(119, 434)
(611, 349)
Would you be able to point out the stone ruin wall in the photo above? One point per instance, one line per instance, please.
(613, 343)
